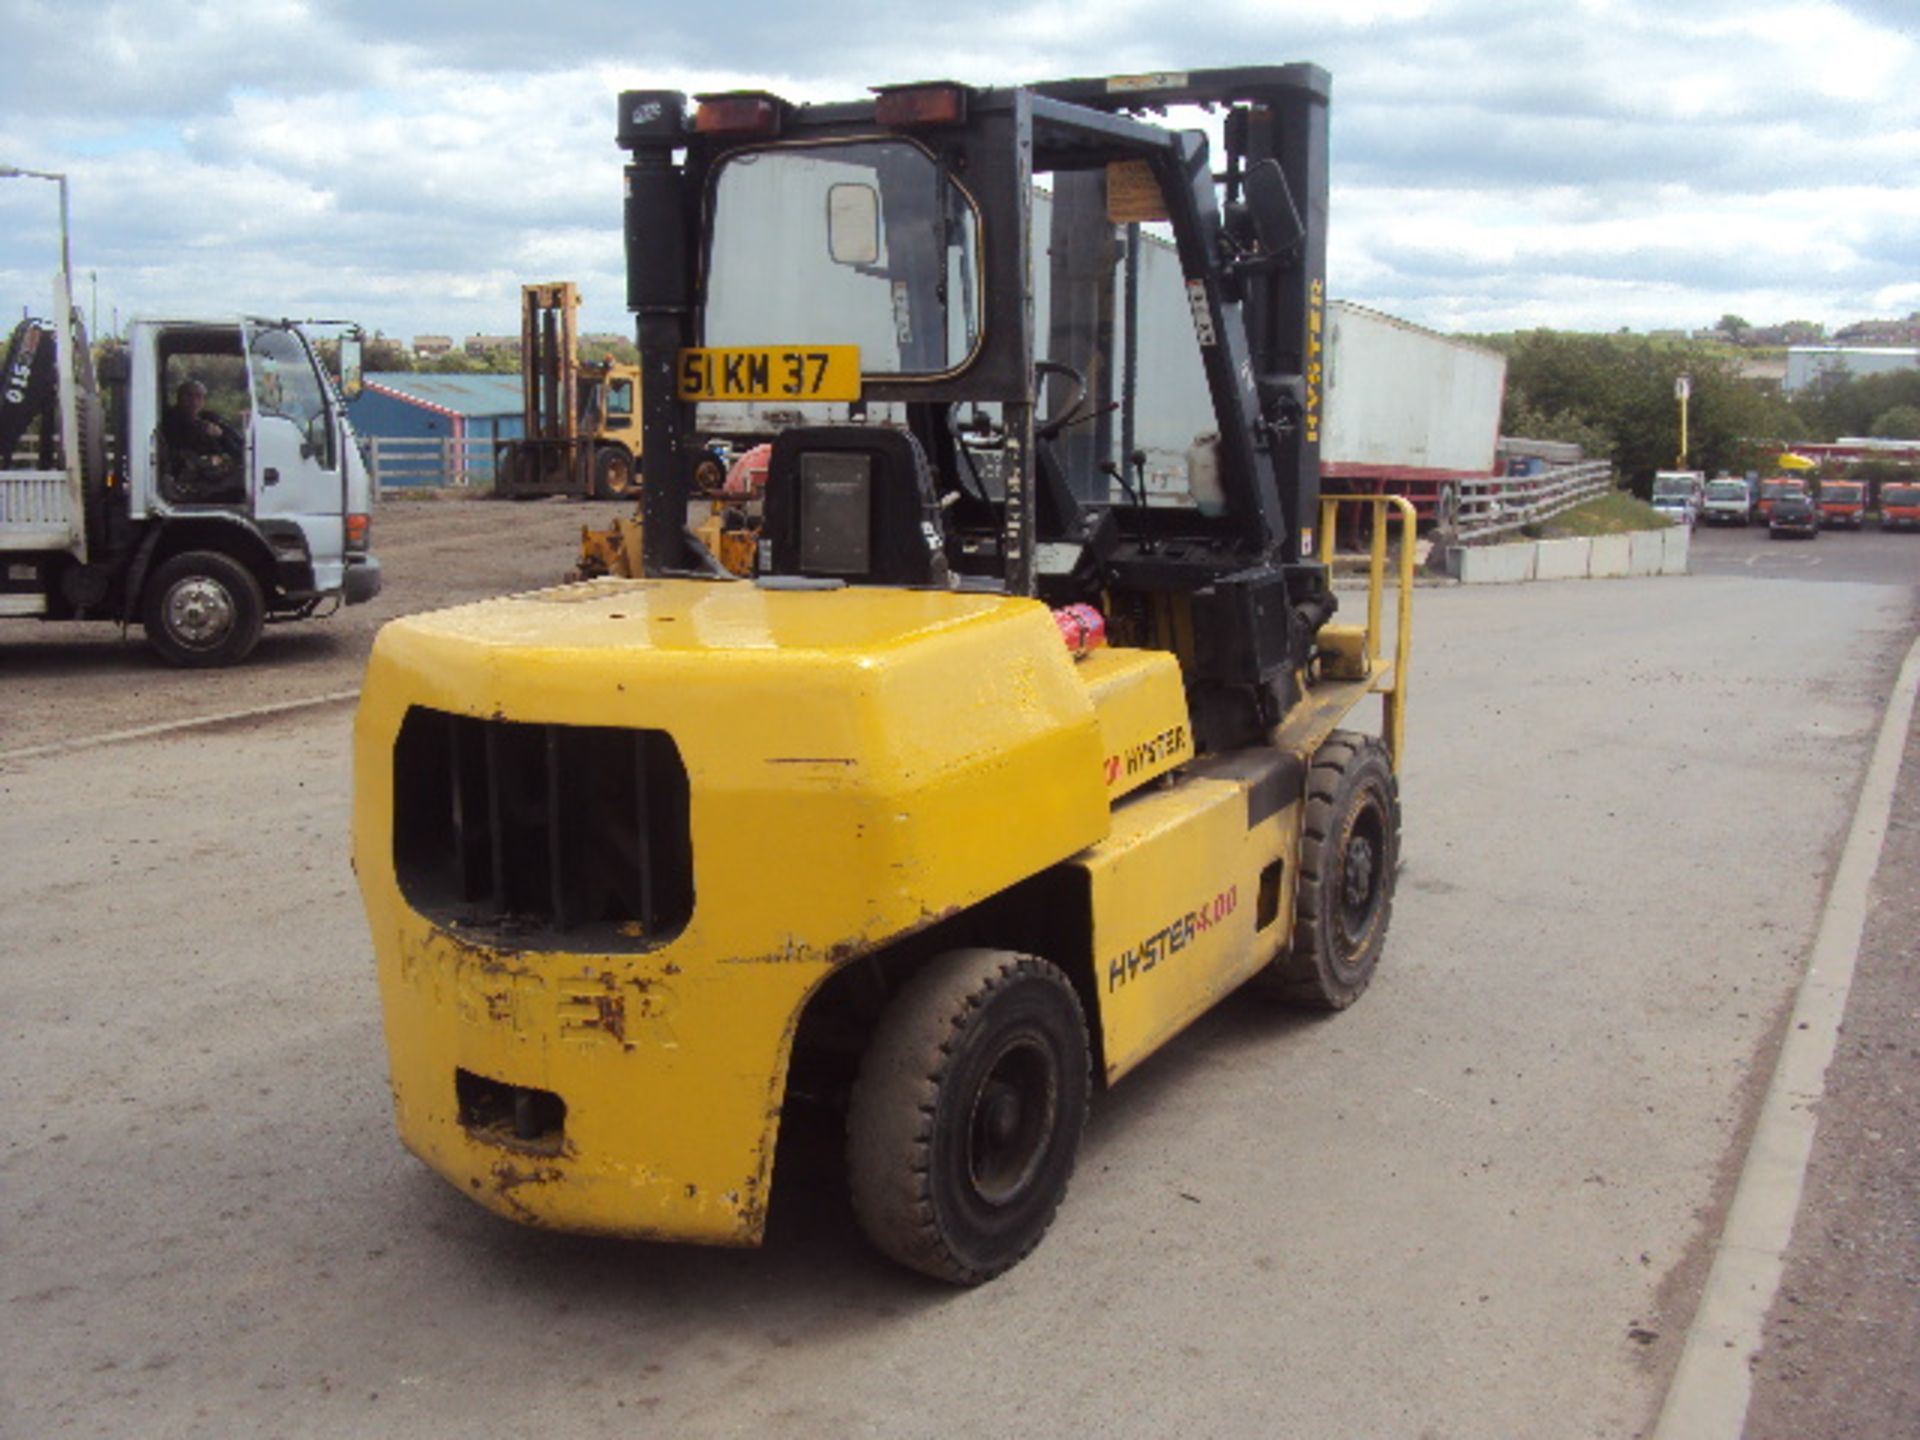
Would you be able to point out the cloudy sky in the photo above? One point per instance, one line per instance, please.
(1583, 164)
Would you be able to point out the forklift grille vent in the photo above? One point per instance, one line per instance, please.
(542, 836)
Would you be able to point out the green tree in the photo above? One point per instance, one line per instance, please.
(1839, 404)
(600, 347)
(1622, 386)
(383, 354)
(1520, 419)
(1901, 422)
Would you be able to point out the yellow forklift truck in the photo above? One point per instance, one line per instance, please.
(647, 860)
(580, 418)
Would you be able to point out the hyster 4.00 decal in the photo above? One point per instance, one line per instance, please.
(1170, 939)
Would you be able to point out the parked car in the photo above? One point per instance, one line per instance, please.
(1794, 515)
(1900, 507)
(1728, 502)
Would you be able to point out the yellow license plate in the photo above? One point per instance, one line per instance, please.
(771, 372)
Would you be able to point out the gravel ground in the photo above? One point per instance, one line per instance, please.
(434, 553)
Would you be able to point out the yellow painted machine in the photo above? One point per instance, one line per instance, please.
(992, 776)
(580, 418)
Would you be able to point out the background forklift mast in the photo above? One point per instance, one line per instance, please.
(581, 424)
(1239, 594)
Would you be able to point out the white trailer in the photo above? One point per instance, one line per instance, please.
(1409, 410)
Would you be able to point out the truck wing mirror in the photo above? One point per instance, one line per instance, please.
(350, 360)
(853, 224)
(1276, 219)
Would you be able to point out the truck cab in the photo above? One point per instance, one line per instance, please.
(1679, 495)
(214, 485)
(1900, 507)
(1728, 502)
(1843, 504)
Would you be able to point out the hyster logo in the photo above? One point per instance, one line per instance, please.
(1169, 940)
(1165, 746)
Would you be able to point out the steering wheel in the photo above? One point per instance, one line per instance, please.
(1054, 424)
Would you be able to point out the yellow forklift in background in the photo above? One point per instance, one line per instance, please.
(1020, 747)
(580, 418)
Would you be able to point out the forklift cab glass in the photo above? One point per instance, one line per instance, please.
(853, 224)
(619, 397)
(895, 273)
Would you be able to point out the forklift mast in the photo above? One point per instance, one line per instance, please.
(549, 364)
(1235, 588)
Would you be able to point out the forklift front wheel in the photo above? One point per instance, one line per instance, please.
(204, 609)
(966, 1117)
(612, 474)
(1349, 853)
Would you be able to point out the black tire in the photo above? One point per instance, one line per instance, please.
(1349, 856)
(203, 609)
(966, 1115)
(613, 475)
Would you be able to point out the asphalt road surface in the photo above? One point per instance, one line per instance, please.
(1872, 555)
(1478, 1204)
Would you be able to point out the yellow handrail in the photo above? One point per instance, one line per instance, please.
(1394, 698)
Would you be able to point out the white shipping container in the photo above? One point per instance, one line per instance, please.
(1407, 403)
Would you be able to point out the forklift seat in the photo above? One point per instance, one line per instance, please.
(855, 503)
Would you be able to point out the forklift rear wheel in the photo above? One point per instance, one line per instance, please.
(1349, 853)
(612, 474)
(966, 1116)
(204, 609)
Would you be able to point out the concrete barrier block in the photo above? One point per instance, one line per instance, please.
(1673, 560)
(1610, 557)
(1648, 551)
(1562, 559)
(1495, 564)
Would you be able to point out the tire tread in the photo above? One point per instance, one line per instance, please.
(891, 1121)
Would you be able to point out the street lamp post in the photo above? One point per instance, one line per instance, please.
(14, 172)
(1683, 392)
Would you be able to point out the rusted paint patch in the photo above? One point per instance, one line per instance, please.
(610, 1012)
(509, 1179)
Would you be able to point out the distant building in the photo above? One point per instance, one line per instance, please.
(482, 344)
(436, 429)
(432, 345)
(1881, 332)
(1809, 364)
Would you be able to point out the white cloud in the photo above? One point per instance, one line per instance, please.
(1601, 163)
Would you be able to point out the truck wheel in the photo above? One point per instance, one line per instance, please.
(204, 609)
(967, 1112)
(1349, 853)
(612, 473)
